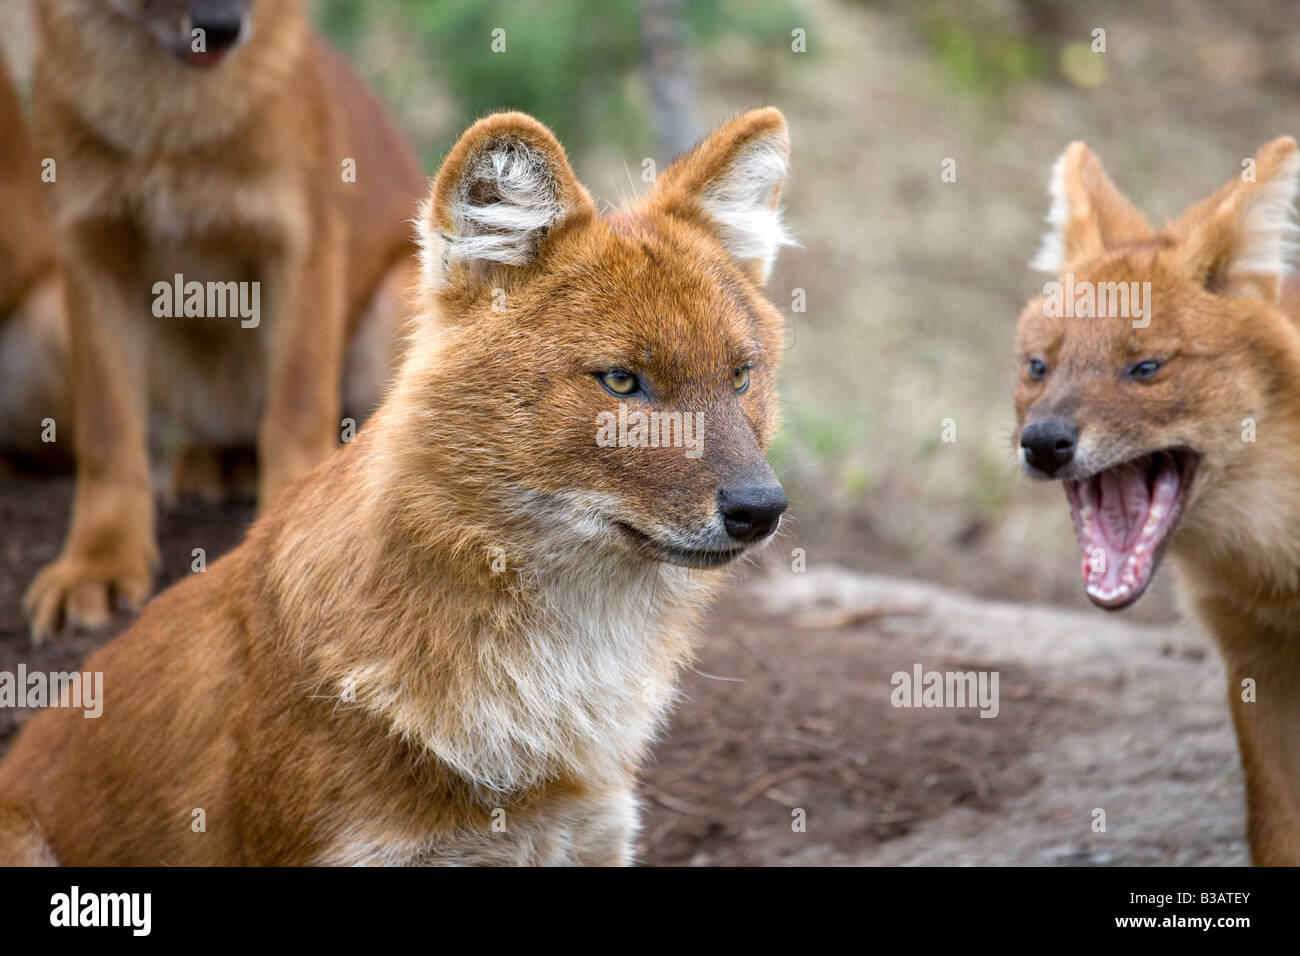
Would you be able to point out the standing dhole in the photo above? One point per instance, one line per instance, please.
(453, 641)
(218, 145)
(1163, 390)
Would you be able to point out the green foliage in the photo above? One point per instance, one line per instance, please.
(994, 485)
(574, 64)
(562, 61)
(832, 444)
(979, 52)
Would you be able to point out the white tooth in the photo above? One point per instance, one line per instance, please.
(1157, 513)
(1124, 589)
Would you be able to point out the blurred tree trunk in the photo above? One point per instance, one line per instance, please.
(670, 72)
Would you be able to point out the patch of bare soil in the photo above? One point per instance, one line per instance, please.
(33, 515)
(1095, 713)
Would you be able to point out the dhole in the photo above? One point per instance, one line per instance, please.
(453, 640)
(1179, 428)
(225, 166)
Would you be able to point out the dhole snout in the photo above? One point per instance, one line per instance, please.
(702, 508)
(198, 32)
(1048, 444)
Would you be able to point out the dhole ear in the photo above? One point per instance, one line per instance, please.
(1088, 214)
(1240, 240)
(504, 187)
(731, 185)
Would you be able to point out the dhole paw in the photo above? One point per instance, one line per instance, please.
(78, 595)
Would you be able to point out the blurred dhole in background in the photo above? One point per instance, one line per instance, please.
(909, 285)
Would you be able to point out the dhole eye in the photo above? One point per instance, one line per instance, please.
(620, 382)
(1037, 369)
(740, 378)
(1146, 369)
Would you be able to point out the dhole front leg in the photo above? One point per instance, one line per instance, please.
(1268, 732)
(301, 423)
(109, 554)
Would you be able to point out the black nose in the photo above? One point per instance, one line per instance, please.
(1049, 446)
(751, 513)
(221, 29)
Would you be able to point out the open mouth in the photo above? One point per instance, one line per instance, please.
(671, 554)
(1124, 517)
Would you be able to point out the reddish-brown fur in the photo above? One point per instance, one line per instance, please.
(33, 334)
(27, 240)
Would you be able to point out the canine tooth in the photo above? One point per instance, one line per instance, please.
(1157, 512)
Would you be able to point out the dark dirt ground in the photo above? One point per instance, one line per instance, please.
(788, 709)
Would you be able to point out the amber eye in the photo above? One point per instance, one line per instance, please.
(620, 383)
(740, 378)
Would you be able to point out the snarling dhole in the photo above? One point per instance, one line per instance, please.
(221, 142)
(1175, 425)
(453, 640)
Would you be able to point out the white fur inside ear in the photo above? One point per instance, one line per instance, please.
(1050, 256)
(1267, 238)
(742, 202)
(506, 201)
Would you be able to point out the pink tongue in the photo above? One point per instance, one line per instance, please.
(1120, 521)
(1123, 506)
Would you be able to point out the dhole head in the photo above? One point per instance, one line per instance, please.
(198, 32)
(1149, 354)
(613, 376)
